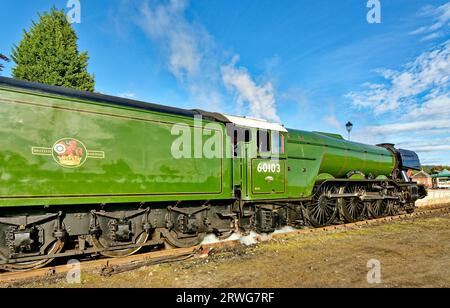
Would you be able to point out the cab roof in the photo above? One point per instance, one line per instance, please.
(255, 123)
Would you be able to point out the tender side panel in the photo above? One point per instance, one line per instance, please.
(120, 154)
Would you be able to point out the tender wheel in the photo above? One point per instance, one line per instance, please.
(186, 226)
(102, 243)
(177, 240)
(119, 234)
(353, 209)
(322, 210)
(54, 248)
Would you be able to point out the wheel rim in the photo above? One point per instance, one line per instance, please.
(54, 248)
(140, 240)
(322, 210)
(392, 208)
(353, 208)
(175, 240)
(377, 209)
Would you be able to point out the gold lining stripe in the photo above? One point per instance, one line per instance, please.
(96, 154)
(41, 151)
(49, 152)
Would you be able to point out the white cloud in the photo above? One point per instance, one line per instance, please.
(435, 108)
(436, 148)
(440, 21)
(260, 99)
(166, 24)
(428, 75)
(194, 59)
(333, 121)
(413, 102)
(188, 49)
(429, 122)
(410, 127)
(431, 36)
(420, 142)
(420, 30)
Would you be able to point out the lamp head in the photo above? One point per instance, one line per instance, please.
(349, 126)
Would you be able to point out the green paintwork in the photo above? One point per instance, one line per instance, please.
(357, 177)
(312, 157)
(310, 154)
(381, 177)
(271, 179)
(324, 176)
(137, 164)
(125, 156)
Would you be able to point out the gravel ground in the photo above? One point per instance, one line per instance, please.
(413, 253)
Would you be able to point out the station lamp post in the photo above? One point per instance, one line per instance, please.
(349, 127)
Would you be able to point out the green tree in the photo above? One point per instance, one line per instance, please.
(3, 58)
(48, 53)
(437, 169)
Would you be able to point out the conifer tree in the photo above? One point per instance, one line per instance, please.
(48, 53)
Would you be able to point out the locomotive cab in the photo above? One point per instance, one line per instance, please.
(259, 155)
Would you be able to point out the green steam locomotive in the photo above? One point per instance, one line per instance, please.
(84, 173)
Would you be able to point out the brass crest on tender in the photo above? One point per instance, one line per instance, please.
(68, 153)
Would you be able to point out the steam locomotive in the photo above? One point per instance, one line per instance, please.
(84, 173)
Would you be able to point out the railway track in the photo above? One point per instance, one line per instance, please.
(111, 266)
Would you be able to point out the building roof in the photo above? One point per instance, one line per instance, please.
(421, 174)
(443, 174)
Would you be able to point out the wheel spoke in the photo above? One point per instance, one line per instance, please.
(378, 208)
(322, 210)
(353, 208)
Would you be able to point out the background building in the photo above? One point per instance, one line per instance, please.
(423, 178)
(441, 180)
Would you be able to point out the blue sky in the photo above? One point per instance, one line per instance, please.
(312, 65)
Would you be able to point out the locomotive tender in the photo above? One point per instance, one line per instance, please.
(84, 173)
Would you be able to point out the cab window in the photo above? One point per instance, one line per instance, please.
(240, 135)
(277, 143)
(263, 141)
